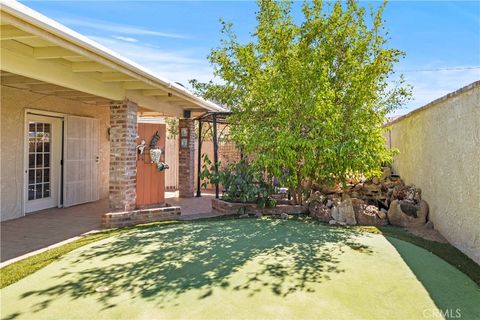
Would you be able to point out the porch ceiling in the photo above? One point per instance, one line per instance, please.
(34, 47)
(12, 80)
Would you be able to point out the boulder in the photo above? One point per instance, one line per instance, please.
(323, 214)
(283, 215)
(335, 214)
(345, 211)
(382, 214)
(368, 215)
(406, 214)
(429, 225)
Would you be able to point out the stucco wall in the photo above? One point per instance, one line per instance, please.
(13, 105)
(440, 152)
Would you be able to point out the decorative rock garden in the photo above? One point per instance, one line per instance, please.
(376, 202)
(234, 208)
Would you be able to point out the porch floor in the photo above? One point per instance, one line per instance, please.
(45, 228)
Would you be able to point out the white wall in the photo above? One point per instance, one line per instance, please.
(439, 148)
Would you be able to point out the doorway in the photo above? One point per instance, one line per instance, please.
(43, 162)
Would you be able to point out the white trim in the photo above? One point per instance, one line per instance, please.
(25, 150)
(55, 158)
(157, 120)
(98, 53)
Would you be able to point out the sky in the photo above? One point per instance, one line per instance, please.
(173, 38)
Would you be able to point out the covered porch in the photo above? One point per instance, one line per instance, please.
(70, 131)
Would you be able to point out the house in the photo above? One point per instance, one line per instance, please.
(69, 113)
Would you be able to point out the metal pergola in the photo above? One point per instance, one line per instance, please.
(214, 118)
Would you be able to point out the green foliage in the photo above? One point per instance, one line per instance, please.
(310, 100)
(241, 182)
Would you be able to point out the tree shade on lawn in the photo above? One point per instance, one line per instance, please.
(255, 269)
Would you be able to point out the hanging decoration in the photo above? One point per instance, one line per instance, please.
(156, 153)
(141, 149)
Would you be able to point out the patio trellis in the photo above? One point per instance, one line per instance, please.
(214, 118)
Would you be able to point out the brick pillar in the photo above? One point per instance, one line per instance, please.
(186, 158)
(123, 164)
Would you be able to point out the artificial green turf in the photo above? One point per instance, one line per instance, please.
(16, 271)
(444, 250)
(244, 269)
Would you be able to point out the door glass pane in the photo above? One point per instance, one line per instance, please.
(31, 192)
(39, 160)
(46, 160)
(46, 175)
(46, 142)
(39, 191)
(46, 190)
(38, 176)
(31, 160)
(31, 176)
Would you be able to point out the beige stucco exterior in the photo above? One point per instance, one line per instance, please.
(439, 148)
(14, 102)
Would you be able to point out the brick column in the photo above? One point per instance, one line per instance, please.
(123, 164)
(186, 158)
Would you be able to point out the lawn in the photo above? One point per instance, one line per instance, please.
(244, 268)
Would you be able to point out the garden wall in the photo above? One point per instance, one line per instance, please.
(439, 148)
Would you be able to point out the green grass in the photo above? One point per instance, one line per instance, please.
(242, 269)
(443, 250)
(20, 269)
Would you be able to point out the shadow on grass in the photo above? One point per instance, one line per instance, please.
(455, 295)
(160, 263)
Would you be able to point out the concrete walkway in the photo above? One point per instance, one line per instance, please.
(47, 228)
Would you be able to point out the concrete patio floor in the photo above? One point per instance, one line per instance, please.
(45, 228)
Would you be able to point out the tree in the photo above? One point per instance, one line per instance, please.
(309, 100)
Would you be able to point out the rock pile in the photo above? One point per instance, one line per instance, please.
(376, 202)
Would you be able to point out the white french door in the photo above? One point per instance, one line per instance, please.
(42, 167)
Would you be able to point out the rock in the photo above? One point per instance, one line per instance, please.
(375, 180)
(245, 215)
(370, 188)
(258, 214)
(429, 225)
(335, 214)
(345, 211)
(330, 189)
(382, 214)
(329, 204)
(332, 222)
(386, 173)
(367, 215)
(323, 214)
(424, 210)
(409, 208)
(283, 215)
(416, 215)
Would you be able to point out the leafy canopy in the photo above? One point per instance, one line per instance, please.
(309, 99)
